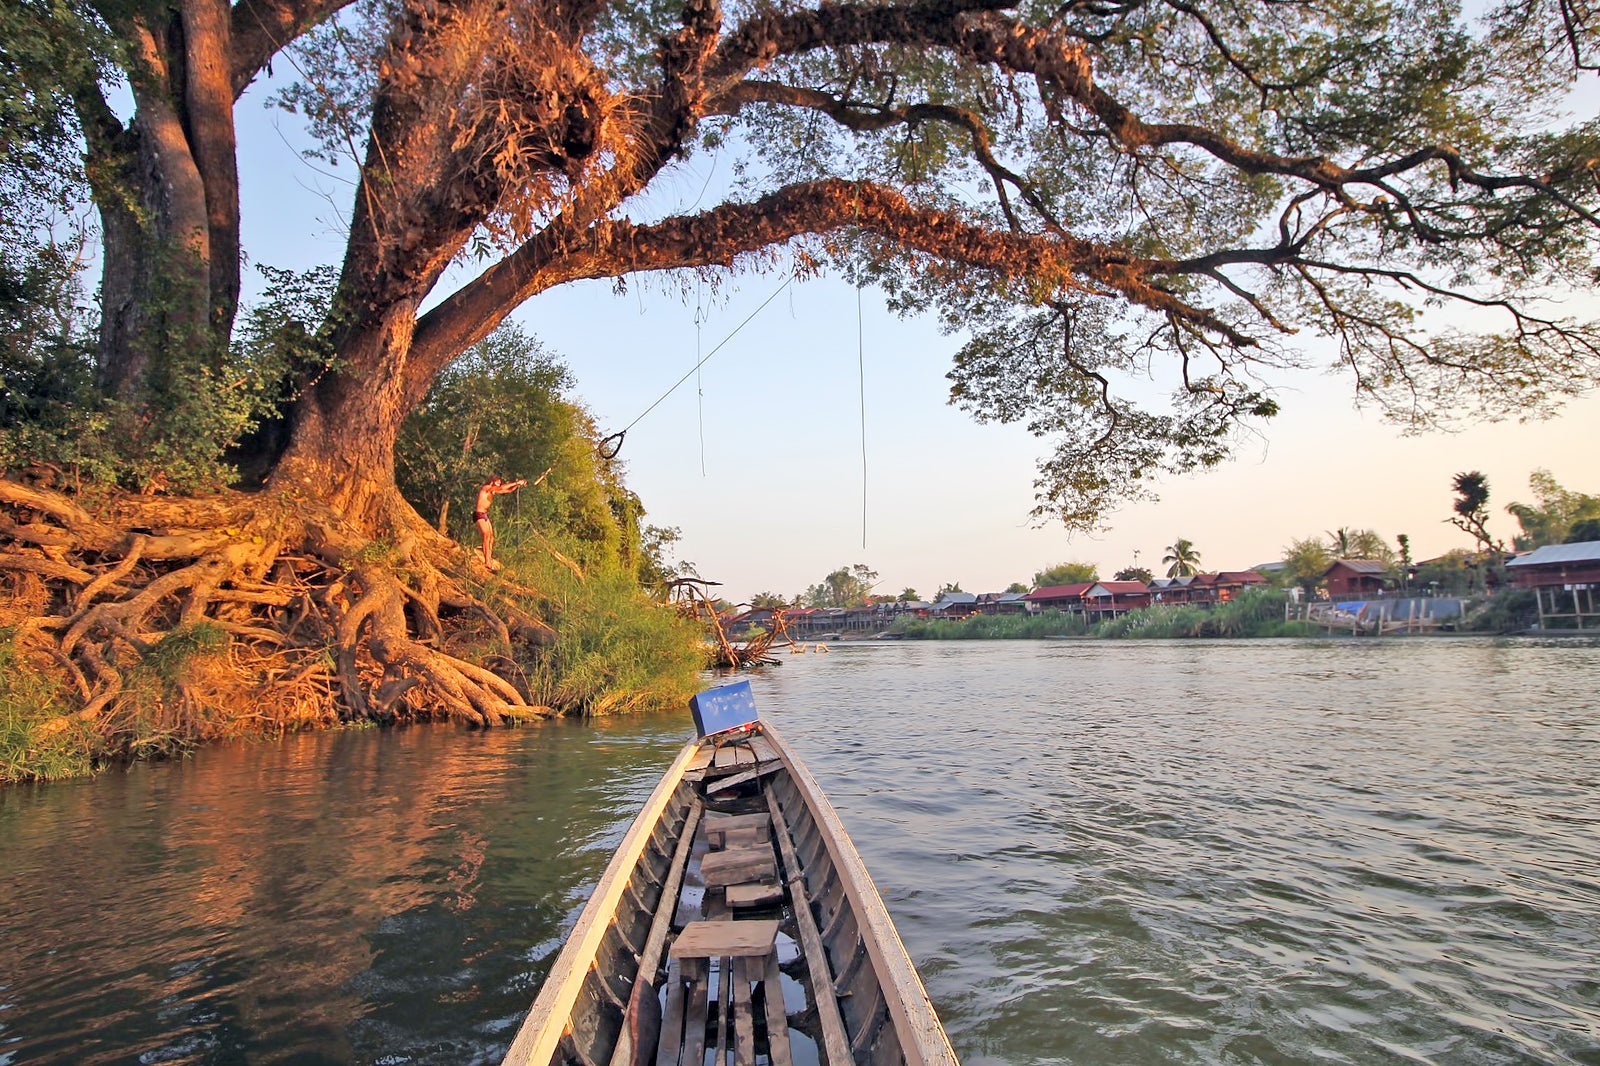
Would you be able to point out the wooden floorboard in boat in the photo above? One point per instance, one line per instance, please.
(708, 940)
(738, 866)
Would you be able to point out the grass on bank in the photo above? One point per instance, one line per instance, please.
(1051, 623)
(1255, 613)
(616, 647)
(29, 701)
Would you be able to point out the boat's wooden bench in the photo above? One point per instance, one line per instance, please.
(746, 870)
(732, 830)
(743, 956)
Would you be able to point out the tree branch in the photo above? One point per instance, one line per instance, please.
(260, 28)
(724, 234)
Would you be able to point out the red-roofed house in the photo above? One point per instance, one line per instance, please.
(1218, 587)
(1058, 597)
(1107, 599)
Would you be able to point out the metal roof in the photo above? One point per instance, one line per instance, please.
(1055, 592)
(1585, 551)
(1360, 566)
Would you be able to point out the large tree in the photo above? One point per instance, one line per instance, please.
(1101, 192)
(1556, 514)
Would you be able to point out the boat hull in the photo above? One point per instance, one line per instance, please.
(864, 1002)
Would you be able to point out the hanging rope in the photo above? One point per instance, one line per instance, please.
(699, 389)
(861, 388)
(609, 447)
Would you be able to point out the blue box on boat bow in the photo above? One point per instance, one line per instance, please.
(717, 710)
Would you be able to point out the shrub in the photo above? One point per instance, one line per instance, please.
(992, 627)
(616, 648)
(1509, 611)
(38, 740)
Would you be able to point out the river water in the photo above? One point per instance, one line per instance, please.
(1126, 852)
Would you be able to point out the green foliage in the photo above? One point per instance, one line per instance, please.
(1050, 370)
(49, 50)
(38, 741)
(1451, 574)
(170, 657)
(1133, 573)
(500, 409)
(1556, 515)
(1255, 612)
(47, 395)
(616, 648)
(848, 586)
(993, 627)
(1346, 543)
(1066, 574)
(1507, 611)
(1305, 561)
(194, 405)
(1182, 559)
(1587, 529)
(1471, 507)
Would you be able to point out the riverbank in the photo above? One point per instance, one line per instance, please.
(611, 648)
(1255, 614)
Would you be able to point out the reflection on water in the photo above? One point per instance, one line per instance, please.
(359, 897)
(1346, 852)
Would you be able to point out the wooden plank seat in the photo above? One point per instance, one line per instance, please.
(743, 956)
(736, 866)
(718, 823)
(745, 896)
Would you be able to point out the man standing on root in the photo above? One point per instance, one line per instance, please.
(495, 486)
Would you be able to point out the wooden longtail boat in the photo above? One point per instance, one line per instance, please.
(736, 922)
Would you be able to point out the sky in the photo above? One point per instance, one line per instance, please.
(759, 458)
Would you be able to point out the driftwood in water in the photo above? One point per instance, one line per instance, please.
(693, 601)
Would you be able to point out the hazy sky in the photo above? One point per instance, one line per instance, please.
(759, 462)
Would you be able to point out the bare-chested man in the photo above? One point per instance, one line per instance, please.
(495, 486)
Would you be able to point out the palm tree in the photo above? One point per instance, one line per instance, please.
(1184, 560)
(1339, 541)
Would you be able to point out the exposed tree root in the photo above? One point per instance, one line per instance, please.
(299, 615)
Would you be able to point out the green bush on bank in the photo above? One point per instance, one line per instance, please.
(39, 741)
(1050, 623)
(1507, 611)
(1254, 613)
(616, 647)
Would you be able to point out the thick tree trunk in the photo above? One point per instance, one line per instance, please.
(341, 445)
(169, 204)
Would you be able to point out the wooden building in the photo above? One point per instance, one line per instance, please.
(956, 605)
(1219, 587)
(1566, 579)
(1058, 597)
(1108, 599)
(1351, 579)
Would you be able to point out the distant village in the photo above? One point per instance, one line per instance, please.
(1564, 579)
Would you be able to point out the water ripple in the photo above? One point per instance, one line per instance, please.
(1288, 852)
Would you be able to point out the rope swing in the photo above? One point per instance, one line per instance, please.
(612, 445)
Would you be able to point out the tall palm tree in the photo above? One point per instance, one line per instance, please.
(1184, 560)
(1339, 541)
